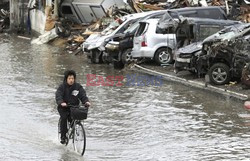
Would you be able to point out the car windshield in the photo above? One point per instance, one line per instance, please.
(132, 28)
(165, 17)
(111, 27)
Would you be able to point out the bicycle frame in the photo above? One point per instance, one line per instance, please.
(75, 132)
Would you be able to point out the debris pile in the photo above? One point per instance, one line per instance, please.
(75, 34)
(4, 16)
(236, 9)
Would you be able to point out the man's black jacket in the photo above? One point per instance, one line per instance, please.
(71, 94)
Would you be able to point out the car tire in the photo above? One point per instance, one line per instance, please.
(104, 58)
(96, 57)
(219, 74)
(163, 56)
(127, 56)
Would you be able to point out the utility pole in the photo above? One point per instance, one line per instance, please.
(17, 14)
(55, 9)
(12, 14)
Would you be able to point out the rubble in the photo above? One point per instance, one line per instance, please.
(45, 38)
(50, 21)
(236, 10)
(4, 17)
(245, 78)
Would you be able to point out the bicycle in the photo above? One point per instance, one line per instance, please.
(75, 129)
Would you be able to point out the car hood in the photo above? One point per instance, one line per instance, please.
(191, 48)
(93, 39)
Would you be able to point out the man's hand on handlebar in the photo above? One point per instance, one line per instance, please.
(87, 104)
(64, 104)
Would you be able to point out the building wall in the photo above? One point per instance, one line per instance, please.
(37, 16)
(19, 15)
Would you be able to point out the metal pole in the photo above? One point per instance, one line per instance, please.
(55, 8)
(11, 14)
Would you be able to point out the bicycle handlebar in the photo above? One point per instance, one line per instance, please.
(76, 106)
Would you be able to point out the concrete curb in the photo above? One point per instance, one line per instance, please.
(199, 85)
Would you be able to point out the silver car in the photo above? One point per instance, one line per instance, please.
(148, 43)
(95, 43)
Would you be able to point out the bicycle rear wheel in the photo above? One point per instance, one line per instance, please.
(79, 139)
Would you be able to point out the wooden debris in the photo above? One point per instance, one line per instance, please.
(78, 39)
(50, 22)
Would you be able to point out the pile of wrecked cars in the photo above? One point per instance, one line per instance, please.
(197, 39)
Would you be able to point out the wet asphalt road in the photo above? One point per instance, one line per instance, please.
(168, 123)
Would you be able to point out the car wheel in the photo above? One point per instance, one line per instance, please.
(127, 56)
(104, 58)
(96, 56)
(163, 56)
(219, 74)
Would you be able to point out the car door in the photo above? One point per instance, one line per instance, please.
(140, 35)
(206, 30)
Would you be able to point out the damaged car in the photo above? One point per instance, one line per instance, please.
(211, 12)
(94, 45)
(150, 44)
(118, 50)
(189, 35)
(226, 53)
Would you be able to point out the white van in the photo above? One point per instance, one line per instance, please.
(148, 43)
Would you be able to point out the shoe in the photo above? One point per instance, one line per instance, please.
(63, 140)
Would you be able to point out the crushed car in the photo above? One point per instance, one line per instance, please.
(226, 53)
(94, 45)
(158, 41)
(118, 50)
(189, 35)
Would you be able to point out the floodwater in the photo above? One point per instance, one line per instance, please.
(167, 123)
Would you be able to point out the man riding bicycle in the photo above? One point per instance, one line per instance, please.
(69, 93)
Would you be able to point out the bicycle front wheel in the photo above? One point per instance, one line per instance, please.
(79, 139)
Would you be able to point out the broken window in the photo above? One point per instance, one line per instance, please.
(169, 30)
(66, 10)
(207, 30)
(142, 29)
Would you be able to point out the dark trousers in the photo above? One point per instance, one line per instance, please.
(64, 115)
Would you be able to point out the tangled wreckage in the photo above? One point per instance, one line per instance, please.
(4, 16)
(226, 53)
(222, 55)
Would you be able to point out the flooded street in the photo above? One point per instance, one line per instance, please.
(167, 123)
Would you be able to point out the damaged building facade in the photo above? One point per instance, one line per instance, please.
(40, 15)
(27, 15)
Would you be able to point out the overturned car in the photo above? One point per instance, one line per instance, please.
(189, 35)
(226, 53)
